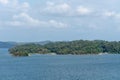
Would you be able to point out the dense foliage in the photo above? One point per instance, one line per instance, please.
(26, 49)
(71, 47)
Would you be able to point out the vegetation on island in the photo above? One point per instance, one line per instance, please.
(76, 47)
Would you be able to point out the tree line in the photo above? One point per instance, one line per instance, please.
(76, 47)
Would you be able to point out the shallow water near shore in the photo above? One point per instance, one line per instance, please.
(59, 67)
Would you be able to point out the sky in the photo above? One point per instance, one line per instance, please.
(59, 20)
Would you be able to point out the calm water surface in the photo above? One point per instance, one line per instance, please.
(46, 67)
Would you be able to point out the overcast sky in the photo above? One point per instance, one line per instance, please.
(56, 20)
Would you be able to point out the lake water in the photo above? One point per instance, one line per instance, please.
(46, 67)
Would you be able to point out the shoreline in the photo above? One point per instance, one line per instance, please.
(100, 54)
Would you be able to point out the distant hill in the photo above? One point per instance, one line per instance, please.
(12, 44)
(40, 43)
(43, 42)
(7, 44)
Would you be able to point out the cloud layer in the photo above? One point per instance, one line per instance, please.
(21, 16)
(61, 17)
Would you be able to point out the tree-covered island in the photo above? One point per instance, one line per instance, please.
(76, 47)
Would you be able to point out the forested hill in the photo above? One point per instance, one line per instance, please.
(71, 47)
(7, 44)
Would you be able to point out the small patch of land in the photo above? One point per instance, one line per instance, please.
(76, 47)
